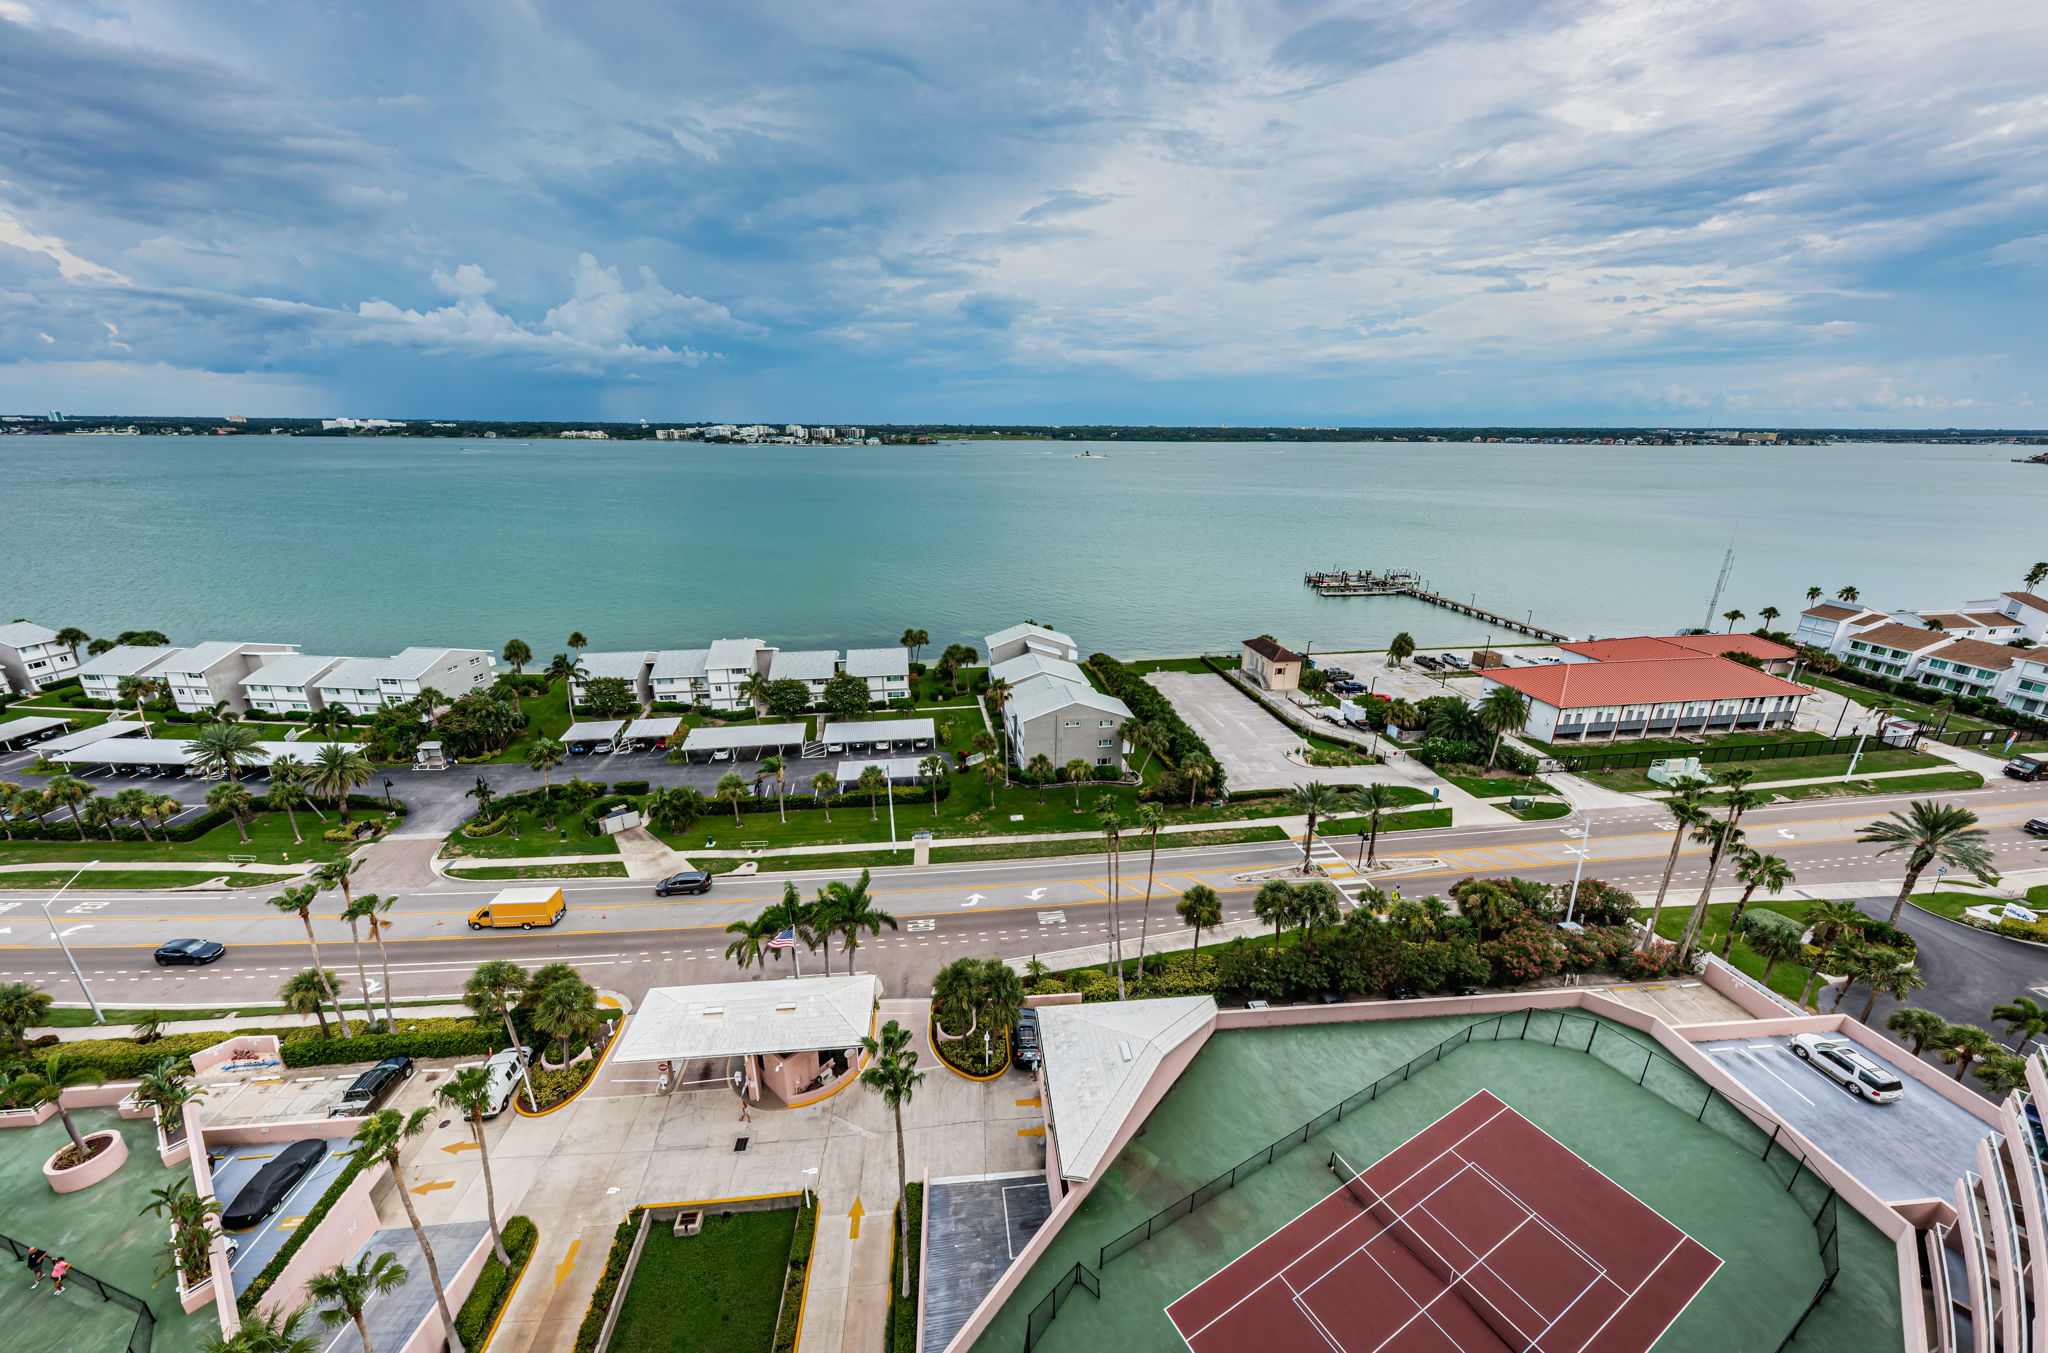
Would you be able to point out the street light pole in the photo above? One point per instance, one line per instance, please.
(892, 811)
(1585, 849)
(1862, 732)
(98, 1016)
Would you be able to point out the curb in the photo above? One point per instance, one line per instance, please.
(932, 1028)
(588, 1081)
(1995, 934)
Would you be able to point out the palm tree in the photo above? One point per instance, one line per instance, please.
(1774, 944)
(1200, 909)
(1731, 617)
(1148, 818)
(468, 1092)
(1399, 649)
(732, 787)
(569, 671)
(1898, 981)
(494, 988)
(1317, 906)
(338, 769)
(1918, 1027)
(1847, 594)
(167, 1090)
(1200, 772)
(1931, 831)
(577, 642)
(45, 1082)
(344, 1291)
(1755, 871)
(71, 637)
(2036, 575)
(1315, 800)
(517, 653)
(288, 790)
(750, 946)
(932, 768)
(1829, 923)
(1275, 903)
(1039, 770)
(1504, 710)
(333, 874)
(379, 1138)
(2002, 1073)
(1813, 594)
(774, 768)
(565, 1009)
(224, 748)
(544, 756)
(997, 694)
(823, 786)
(1112, 824)
(266, 1330)
(187, 1252)
(914, 640)
(892, 1073)
(873, 780)
(848, 909)
(352, 915)
(2022, 1017)
(306, 994)
(1372, 800)
(299, 902)
(1725, 837)
(1964, 1044)
(235, 800)
(1075, 771)
(1768, 614)
(70, 791)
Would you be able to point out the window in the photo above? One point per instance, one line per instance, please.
(1106, 742)
(1071, 723)
(1937, 665)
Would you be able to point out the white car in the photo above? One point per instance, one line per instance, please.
(1850, 1067)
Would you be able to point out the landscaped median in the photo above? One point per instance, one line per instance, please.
(708, 1290)
(478, 1319)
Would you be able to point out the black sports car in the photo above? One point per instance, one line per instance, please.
(262, 1194)
(189, 951)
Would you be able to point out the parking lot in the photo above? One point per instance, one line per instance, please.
(235, 1166)
(1251, 744)
(1916, 1148)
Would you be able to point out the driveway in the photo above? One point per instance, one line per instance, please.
(1916, 1148)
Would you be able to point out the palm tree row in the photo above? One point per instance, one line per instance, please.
(846, 910)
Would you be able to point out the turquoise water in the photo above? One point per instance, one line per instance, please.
(364, 546)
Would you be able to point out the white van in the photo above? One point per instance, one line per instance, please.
(1850, 1067)
(504, 1068)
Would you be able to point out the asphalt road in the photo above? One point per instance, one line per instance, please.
(632, 940)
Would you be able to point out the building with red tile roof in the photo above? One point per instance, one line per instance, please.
(1644, 696)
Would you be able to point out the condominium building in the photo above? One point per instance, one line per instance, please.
(1579, 700)
(629, 667)
(451, 671)
(1029, 638)
(102, 676)
(208, 675)
(728, 666)
(677, 676)
(286, 685)
(1986, 648)
(31, 658)
(352, 685)
(886, 670)
(1064, 721)
(813, 667)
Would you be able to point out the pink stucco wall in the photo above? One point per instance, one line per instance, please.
(432, 1334)
(286, 1130)
(348, 1225)
(248, 1047)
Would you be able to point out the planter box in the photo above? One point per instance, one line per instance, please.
(93, 1171)
(35, 1117)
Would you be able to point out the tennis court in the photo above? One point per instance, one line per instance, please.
(1480, 1232)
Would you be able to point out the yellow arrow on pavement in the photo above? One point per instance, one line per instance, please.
(854, 1215)
(457, 1148)
(290, 1223)
(433, 1185)
(1031, 1132)
(1031, 1103)
(568, 1262)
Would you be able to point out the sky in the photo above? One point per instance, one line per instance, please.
(1644, 212)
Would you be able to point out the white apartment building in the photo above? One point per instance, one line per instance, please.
(210, 674)
(1029, 638)
(886, 670)
(728, 665)
(630, 667)
(32, 658)
(451, 671)
(352, 685)
(677, 676)
(813, 667)
(1967, 651)
(102, 676)
(286, 685)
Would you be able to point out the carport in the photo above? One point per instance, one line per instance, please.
(735, 738)
(16, 734)
(651, 731)
(1916, 1148)
(85, 737)
(786, 1043)
(880, 733)
(587, 735)
(900, 770)
(126, 755)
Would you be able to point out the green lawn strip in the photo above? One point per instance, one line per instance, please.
(1785, 768)
(596, 870)
(1897, 704)
(270, 841)
(1500, 787)
(139, 879)
(533, 838)
(908, 1236)
(797, 1277)
(1194, 665)
(1021, 850)
(547, 716)
(1954, 904)
(1904, 784)
(1790, 977)
(1541, 811)
(1417, 820)
(66, 1017)
(1668, 746)
(478, 1318)
(714, 1292)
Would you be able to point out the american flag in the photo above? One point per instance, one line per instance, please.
(785, 940)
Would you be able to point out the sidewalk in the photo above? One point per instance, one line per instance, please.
(117, 1028)
(161, 866)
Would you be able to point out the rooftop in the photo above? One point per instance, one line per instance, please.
(594, 730)
(873, 730)
(1829, 611)
(127, 660)
(1667, 647)
(199, 657)
(1041, 695)
(1579, 685)
(1271, 651)
(726, 1019)
(293, 669)
(624, 666)
(1027, 630)
(1978, 653)
(1027, 665)
(412, 663)
(804, 665)
(729, 654)
(878, 662)
(1903, 637)
(1098, 1060)
(671, 663)
(25, 634)
(735, 736)
(2027, 599)
(353, 674)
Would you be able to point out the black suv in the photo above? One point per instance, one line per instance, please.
(2036, 826)
(370, 1088)
(689, 881)
(1024, 1041)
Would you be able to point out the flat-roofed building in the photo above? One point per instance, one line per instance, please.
(886, 670)
(31, 658)
(208, 675)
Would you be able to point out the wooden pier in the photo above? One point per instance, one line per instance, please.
(1407, 583)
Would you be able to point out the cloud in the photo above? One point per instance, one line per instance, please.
(69, 265)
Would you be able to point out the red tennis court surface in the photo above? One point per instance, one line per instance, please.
(1480, 1233)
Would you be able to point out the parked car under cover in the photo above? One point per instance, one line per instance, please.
(268, 1186)
(189, 951)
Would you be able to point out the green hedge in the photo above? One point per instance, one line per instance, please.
(607, 1284)
(789, 1324)
(190, 830)
(903, 1310)
(246, 1302)
(494, 1285)
(1149, 706)
(124, 1058)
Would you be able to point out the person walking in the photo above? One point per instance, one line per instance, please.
(57, 1272)
(35, 1267)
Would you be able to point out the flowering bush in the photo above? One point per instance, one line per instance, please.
(1522, 955)
(1659, 959)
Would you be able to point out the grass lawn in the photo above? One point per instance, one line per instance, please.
(1541, 811)
(1954, 904)
(1674, 746)
(1195, 665)
(1788, 980)
(1785, 768)
(79, 1018)
(1898, 704)
(1903, 784)
(534, 838)
(715, 1292)
(1419, 819)
(138, 879)
(1499, 787)
(270, 841)
(1022, 850)
(604, 870)
(548, 716)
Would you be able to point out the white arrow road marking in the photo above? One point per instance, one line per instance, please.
(75, 929)
(1789, 836)
(1034, 894)
(973, 900)
(376, 985)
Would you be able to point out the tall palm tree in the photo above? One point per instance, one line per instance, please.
(45, 1082)
(544, 756)
(1373, 800)
(1315, 800)
(379, 1138)
(569, 671)
(1200, 909)
(1200, 772)
(70, 791)
(1731, 617)
(732, 787)
(1039, 771)
(873, 781)
(1736, 800)
(1964, 1044)
(750, 946)
(236, 801)
(1274, 902)
(892, 1073)
(776, 769)
(1768, 614)
(190, 1216)
(352, 918)
(1755, 871)
(2022, 1017)
(1076, 772)
(71, 637)
(224, 749)
(1930, 831)
(337, 874)
(288, 790)
(1774, 944)
(577, 642)
(329, 721)
(306, 994)
(2036, 575)
(1112, 824)
(1504, 710)
(823, 786)
(997, 694)
(517, 654)
(1898, 982)
(468, 1092)
(1847, 594)
(1148, 818)
(1831, 924)
(1918, 1027)
(496, 987)
(933, 767)
(852, 910)
(1399, 649)
(299, 902)
(792, 915)
(1317, 906)
(266, 1330)
(344, 1290)
(371, 908)
(914, 640)
(338, 769)
(2002, 1073)
(1813, 594)
(565, 1009)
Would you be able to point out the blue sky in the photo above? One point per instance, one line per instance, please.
(1443, 211)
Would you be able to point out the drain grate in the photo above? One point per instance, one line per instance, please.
(739, 1144)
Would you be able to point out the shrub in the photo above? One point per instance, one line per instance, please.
(787, 1324)
(1107, 773)
(475, 829)
(1523, 955)
(607, 1284)
(494, 1285)
(630, 787)
(2036, 931)
(1147, 704)
(554, 1085)
(438, 1037)
(1602, 904)
(1658, 959)
(903, 1310)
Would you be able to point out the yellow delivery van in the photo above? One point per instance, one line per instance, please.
(522, 907)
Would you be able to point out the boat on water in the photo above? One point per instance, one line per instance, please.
(1089, 455)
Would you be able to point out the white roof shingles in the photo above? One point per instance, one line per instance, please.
(25, 634)
(294, 670)
(127, 660)
(878, 662)
(1099, 1059)
(732, 654)
(804, 665)
(1027, 665)
(731, 1019)
(1028, 631)
(674, 663)
(624, 666)
(1037, 696)
(354, 674)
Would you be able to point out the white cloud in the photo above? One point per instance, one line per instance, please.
(69, 265)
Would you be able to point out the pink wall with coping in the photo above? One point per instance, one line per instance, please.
(345, 1229)
(288, 1130)
(257, 1047)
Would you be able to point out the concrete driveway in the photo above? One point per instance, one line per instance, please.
(1916, 1148)
(1251, 744)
